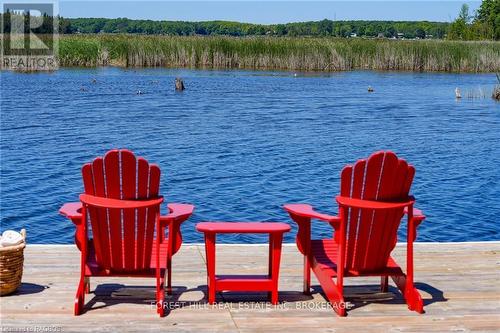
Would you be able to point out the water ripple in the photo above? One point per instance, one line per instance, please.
(240, 144)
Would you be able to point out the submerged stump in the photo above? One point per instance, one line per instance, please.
(496, 93)
(179, 84)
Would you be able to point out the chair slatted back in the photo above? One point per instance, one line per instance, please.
(371, 235)
(123, 238)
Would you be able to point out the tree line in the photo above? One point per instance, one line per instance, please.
(484, 24)
(318, 28)
(325, 27)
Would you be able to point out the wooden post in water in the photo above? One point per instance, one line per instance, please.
(496, 91)
(179, 84)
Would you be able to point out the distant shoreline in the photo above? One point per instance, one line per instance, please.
(306, 54)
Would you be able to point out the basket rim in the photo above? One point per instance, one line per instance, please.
(15, 247)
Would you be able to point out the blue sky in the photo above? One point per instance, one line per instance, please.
(267, 11)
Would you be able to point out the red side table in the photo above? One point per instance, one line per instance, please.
(243, 282)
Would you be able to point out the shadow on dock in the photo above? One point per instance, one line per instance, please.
(27, 289)
(362, 295)
(110, 294)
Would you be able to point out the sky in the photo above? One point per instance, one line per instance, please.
(267, 12)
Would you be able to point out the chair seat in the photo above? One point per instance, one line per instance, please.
(92, 267)
(325, 254)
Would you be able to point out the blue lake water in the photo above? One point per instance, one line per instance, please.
(240, 144)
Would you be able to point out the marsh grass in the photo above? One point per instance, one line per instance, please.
(297, 54)
(478, 93)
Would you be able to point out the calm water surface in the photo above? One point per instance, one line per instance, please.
(239, 144)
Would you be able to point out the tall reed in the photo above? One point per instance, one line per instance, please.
(298, 54)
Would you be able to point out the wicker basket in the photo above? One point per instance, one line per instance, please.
(11, 266)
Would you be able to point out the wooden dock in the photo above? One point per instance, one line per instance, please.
(460, 283)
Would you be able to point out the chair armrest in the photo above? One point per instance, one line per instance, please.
(177, 213)
(302, 215)
(71, 210)
(308, 211)
(371, 204)
(101, 202)
(418, 216)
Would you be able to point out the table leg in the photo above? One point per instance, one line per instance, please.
(276, 256)
(210, 257)
(307, 276)
(270, 264)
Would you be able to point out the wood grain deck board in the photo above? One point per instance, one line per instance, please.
(460, 284)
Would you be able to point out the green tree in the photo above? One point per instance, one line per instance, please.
(281, 30)
(439, 32)
(420, 33)
(361, 31)
(345, 30)
(325, 27)
(459, 28)
(464, 13)
(488, 16)
(370, 31)
(390, 32)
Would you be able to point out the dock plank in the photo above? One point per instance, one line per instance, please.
(459, 282)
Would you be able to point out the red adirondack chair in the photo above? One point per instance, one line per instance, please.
(121, 210)
(374, 196)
